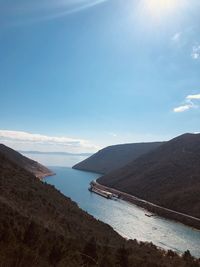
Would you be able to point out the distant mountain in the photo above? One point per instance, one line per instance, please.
(55, 153)
(32, 166)
(114, 157)
(41, 227)
(168, 176)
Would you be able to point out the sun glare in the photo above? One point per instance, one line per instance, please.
(149, 15)
(160, 7)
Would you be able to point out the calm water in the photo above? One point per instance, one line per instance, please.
(127, 219)
(56, 160)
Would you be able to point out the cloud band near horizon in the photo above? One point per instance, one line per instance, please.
(25, 140)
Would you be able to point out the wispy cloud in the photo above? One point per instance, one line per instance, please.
(176, 37)
(112, 134)
(30, 141)
(190, 102)
(182, 108)
(26, 11)
(195, 52)
(193, 97)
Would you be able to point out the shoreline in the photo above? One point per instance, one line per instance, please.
(158, 210)
(44, 175)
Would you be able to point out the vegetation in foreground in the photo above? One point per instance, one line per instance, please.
(41, 227)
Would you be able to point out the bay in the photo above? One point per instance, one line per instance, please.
(125, 218)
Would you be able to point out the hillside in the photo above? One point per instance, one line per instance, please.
(32, 166)
(168, 176)
(113, 157)
(41, 227)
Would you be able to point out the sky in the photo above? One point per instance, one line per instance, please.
(79, 75)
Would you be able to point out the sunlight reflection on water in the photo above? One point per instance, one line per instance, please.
(128, 220)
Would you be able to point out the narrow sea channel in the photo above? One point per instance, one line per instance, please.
(127, 219)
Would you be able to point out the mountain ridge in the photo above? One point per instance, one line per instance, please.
(168, 176)
(30, 165)
(116, 156)
(41, 227)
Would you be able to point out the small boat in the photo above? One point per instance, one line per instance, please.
(149, 215)
(115, 196)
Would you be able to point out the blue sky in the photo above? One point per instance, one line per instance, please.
(79, 75)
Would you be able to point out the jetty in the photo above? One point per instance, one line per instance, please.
(153, 208)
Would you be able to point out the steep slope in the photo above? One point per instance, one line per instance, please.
(32, 166)
(168, 176)
(113, 157)
(41, 227)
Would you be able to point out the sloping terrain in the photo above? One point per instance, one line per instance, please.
(114, 157)
(32, 166)
(41, 227)
(168, 176)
